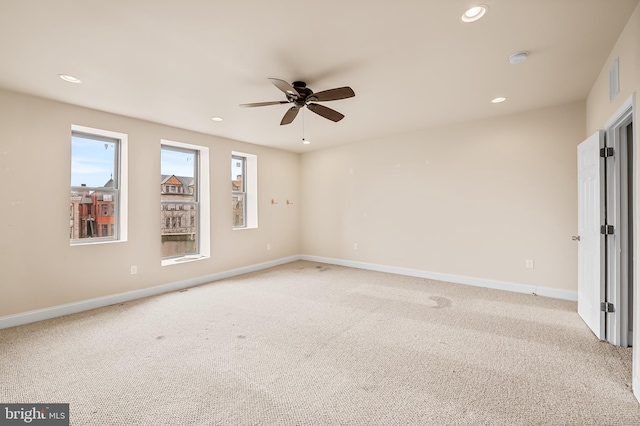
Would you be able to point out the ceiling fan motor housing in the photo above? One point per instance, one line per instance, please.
(301, 88)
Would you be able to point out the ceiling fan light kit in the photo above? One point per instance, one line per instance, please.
(300, 96)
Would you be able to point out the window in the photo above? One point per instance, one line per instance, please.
(244, 190)
(238, 191)
(98, 197)
(184, 213)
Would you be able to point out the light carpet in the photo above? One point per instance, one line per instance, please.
(312, 344)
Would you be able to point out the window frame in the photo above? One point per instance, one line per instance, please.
(202, 195)
(120, 178)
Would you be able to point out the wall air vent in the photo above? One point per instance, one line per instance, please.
(614, 80)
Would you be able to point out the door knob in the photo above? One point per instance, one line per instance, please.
(576, 238)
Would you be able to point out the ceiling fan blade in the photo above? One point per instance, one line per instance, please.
(259, 104)
(325, 112)
(290, 115)
(285, 87)
(333, 94)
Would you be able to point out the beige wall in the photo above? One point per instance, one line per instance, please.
(600, 110)
(474, 199)
(627, 50)
(38, 267)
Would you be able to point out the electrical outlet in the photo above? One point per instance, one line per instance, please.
(355, 246)
(134, 269)
(529, 264)
(268, 247)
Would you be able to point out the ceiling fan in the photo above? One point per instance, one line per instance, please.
(300, 96)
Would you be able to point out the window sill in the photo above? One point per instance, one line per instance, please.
(183, 259)
(242, 228)
(92, 242)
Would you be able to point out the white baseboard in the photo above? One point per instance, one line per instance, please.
(99, 302)
(458, 279)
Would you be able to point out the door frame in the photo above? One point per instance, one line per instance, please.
(620, 283)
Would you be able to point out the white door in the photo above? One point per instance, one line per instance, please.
(590, 248)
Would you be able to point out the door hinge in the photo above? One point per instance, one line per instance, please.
(606, 229)
(606, 152)
(606, 307)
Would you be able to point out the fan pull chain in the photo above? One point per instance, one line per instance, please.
(304, 141)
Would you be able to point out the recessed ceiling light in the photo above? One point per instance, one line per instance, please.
(475, 13)
(518, 57)
(217, 118)
(69, 78)
(498, 100)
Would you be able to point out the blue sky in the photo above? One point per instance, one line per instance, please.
(236, 168)
(176, 163)
(92, 162)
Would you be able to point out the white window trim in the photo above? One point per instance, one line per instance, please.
(123, 167)
(204, 231)
(251, 188)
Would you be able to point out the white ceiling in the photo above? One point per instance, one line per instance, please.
(412, 63)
